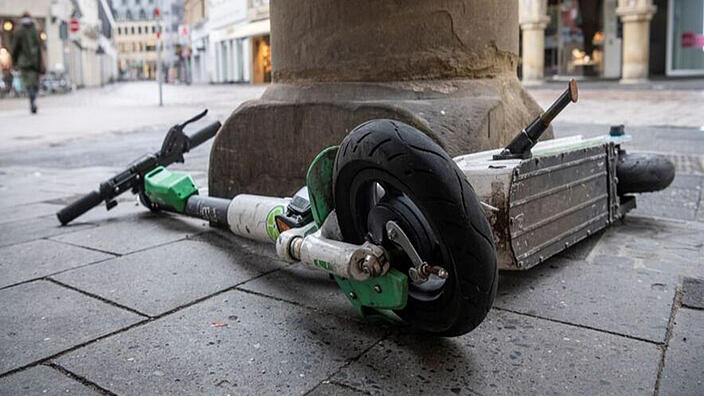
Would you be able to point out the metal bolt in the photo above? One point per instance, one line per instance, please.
(353, 295)
(392, 233)
(377, 289)
(117, 189)
(567, 244)
(439, 271)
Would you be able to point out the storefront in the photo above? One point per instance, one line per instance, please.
(261, 60)
(685, 38)
(578, 38)
(584, 39)
(242, 53)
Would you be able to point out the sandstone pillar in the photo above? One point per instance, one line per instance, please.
(533, 19)
(447, 67)
(636, 16)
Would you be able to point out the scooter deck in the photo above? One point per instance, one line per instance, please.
(542, 205)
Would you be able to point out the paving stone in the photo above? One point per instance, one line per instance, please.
(678, 201)
(658, 245)
(604, 294)
(135, 232)
(306, 286)
(683, 373)
(675, 203)
(28, 211)
(12, 196)
(42, 380)
(507, 354)
(29, 230)
(693, 293)
(158, 280)
(333, 389)
(40, 319)
(583, 248)
(235, 342)
(40, 258)
(29, 184)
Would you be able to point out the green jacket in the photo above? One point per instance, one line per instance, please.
(26, 48)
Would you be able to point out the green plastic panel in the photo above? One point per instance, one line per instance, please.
(319, 182)
(372, 298)
(169, 189)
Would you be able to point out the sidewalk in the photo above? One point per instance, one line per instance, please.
(130, 302)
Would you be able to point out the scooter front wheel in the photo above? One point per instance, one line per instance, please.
(387, 171)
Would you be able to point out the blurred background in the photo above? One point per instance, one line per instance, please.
(95, 42)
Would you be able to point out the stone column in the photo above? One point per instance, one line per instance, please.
(533, 19)
(446, 67)
(636, 16)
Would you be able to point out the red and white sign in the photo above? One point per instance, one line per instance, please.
(74, 25)
(692, 40)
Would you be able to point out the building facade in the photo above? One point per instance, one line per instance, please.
(136, 43)
(144, 28)
(629, 40)
(87, 56)
(238, 46)
(135, 35)
(196, 20)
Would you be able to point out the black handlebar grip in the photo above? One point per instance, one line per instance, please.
(204, 134)
(84, 204)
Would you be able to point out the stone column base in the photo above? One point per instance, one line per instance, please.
(266, 145)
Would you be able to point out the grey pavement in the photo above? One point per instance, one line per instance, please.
(132, 302)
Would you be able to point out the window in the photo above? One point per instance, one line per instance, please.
(128, 15)
(142, 14)
(132, 29)
(139, 29)
(153, 29)
(119, 30)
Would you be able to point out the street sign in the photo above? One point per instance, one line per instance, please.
(74, 25)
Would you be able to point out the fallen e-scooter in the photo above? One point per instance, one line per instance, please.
(407, 231)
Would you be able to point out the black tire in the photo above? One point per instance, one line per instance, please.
(643, 172)
(432, 201)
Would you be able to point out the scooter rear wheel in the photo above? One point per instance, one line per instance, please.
(387, 170)
(643, 172)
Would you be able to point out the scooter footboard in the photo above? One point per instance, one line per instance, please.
(542, 205)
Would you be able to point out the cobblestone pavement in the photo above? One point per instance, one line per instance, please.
(674, 104)
(130, 302)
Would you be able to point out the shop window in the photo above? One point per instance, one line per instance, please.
(686, 37)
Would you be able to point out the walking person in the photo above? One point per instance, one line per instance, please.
(27, 57)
